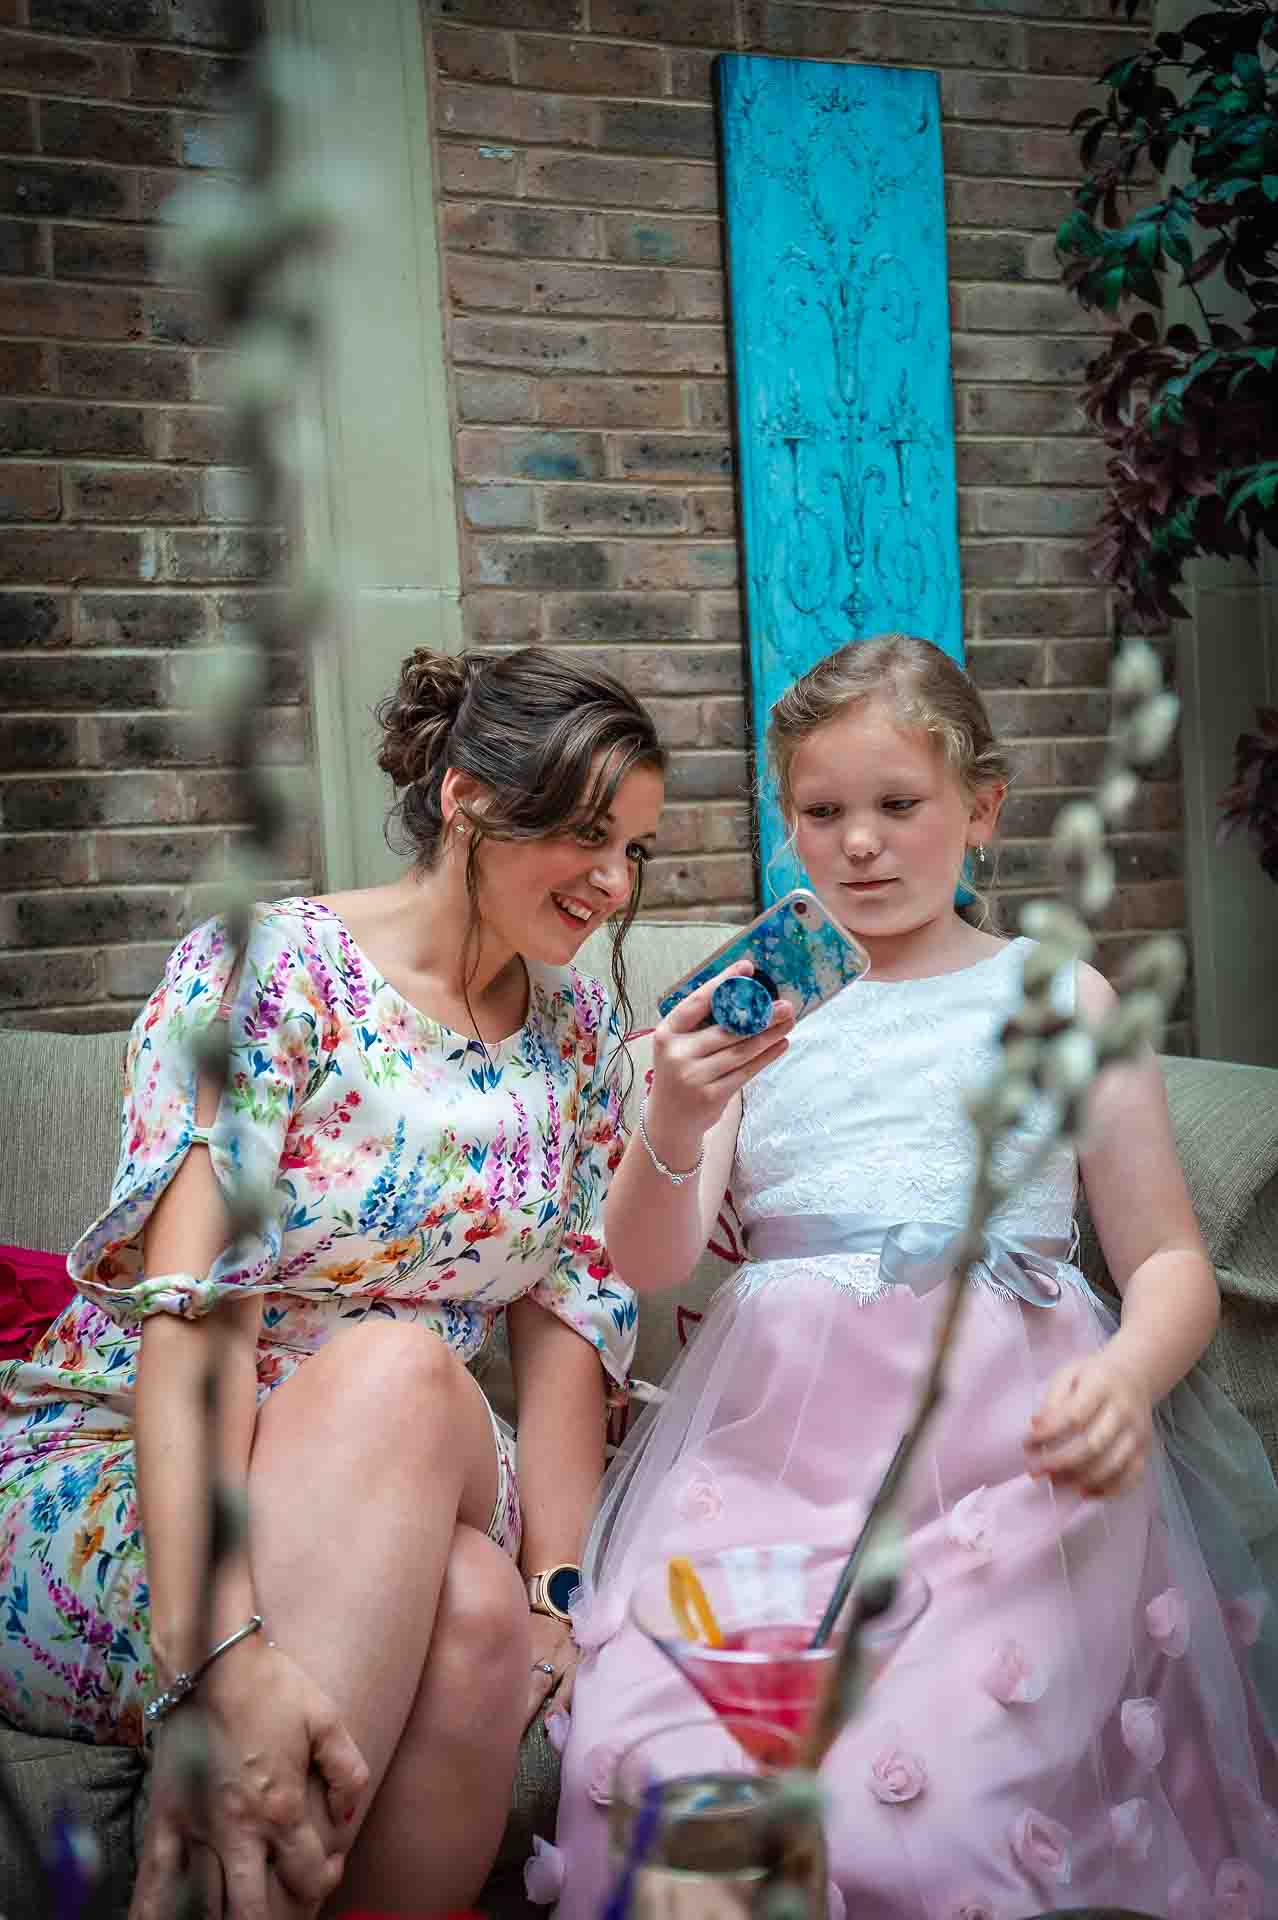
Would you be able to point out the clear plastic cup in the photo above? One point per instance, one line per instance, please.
(697, 1822)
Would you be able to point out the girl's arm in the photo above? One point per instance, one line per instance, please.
(655, 1229)
(1095, 1424)
(656, 1232)
(1144, 1218)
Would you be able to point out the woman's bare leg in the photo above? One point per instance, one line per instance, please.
(364, 1464)
(434, 1829)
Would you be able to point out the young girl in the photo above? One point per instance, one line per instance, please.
(428, 1091)
(1069, 1723)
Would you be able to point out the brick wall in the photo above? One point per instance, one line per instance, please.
(124, 553)
(576, 152)
(579, 222)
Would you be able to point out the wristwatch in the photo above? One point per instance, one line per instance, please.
(552, 1591)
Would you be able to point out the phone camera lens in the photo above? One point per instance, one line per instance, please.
(800, 906)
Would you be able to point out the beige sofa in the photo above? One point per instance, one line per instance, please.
(60, 1113)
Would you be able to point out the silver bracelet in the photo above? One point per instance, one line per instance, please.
(185, 1683)
(675, 1179)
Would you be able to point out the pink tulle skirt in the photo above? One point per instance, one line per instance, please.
(1077, 1719)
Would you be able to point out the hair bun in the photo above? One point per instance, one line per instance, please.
(416, 718)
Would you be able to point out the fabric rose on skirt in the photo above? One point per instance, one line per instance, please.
(543, 1873)
(1167, 1620)
(1141, 1722)
(897, 1775)
(1043, 1847)
(1011, 1676)
(1132, 1824)
(1240, 1894)
(969, 1524)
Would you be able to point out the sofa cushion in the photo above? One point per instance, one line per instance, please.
(1226, 1123)
(657, 953)
(34, 1288)
(62, 1128)
(94, 1786)
(1226, 1120)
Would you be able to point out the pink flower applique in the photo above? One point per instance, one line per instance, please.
(601, 1767)
(969, 1523)
(1141, 1722)
(1011, 1676)
(1132, 1824)
(543, 1873)
(897, 1775)
(1240, 1893)
(1186, 1898)
(1043, 1847)
(700, 1497)
(1167, 1619)
(557, 1725)
(1244, 1615)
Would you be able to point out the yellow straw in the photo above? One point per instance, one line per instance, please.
(690, 1606)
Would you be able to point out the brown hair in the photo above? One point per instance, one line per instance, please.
(925, 690)
(530, 727)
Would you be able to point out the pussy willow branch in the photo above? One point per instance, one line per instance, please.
(248, 244)
(1043, 1053)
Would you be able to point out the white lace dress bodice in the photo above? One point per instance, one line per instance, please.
(866, 1112)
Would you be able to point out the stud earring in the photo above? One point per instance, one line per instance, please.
(460, 827)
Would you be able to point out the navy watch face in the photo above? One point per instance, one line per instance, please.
(561, 1586)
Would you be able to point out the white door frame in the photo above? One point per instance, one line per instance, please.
(381, 512)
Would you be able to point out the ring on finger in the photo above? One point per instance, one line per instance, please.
(544, 1666)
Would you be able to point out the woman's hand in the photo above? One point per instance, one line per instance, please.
(697, 1069)
(552, 1646)
(270, 1731)
(1094, 1428)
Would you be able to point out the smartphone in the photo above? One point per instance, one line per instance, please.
(799, 953)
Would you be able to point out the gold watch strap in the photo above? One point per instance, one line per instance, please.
(537, 1586)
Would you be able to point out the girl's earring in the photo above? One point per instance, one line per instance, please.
(982, 853)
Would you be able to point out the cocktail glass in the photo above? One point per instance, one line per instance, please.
(767, 1602)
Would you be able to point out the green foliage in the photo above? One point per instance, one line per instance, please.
(1189, 411)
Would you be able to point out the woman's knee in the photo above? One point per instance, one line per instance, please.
(384, 1371)
(482, 1621)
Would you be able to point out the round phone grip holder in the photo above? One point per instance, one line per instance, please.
(741, 1005)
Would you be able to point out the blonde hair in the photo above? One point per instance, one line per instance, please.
(925, 691)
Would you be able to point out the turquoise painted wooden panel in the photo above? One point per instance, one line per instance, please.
(840, 340)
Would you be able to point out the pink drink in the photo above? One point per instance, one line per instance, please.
(777, 1682)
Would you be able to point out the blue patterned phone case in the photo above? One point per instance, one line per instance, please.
(800, 954)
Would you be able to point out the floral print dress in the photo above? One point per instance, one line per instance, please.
(413, 1174)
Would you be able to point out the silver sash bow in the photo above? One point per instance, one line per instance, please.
(918, 1254)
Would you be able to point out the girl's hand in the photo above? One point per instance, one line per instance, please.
(269, 1730)
(697, 1070)
(1094, 1428)
(552, 1646)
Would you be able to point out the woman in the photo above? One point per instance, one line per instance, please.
(427, 1092)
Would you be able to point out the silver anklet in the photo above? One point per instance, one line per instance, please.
(675, 1179)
